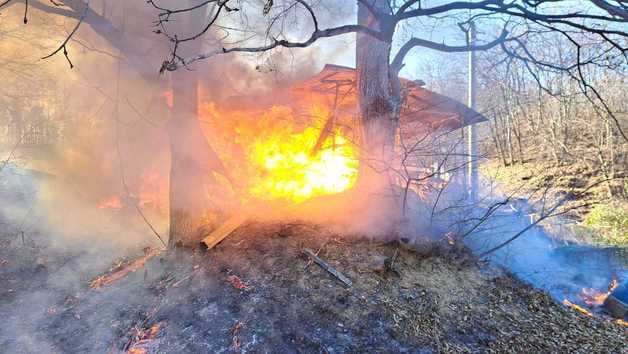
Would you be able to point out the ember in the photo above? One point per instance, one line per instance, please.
(237, 283)
(123, 270)
(143, 339)
(235, 332)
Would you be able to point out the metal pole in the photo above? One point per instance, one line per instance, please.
(472, 148)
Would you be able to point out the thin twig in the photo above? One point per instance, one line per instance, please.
(67, 39)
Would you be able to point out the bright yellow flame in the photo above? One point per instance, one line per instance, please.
(580, 309)
(280, 161)
(291, 171)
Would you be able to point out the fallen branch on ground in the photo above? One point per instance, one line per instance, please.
(309, 263)
(124, 270)
(178, 282)
(346, 281)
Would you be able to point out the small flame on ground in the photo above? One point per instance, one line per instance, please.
(143, 339)
(111, 202)
(151, 193)
(593, 297)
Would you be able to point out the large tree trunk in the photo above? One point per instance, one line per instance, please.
(193, 209)
(375, 191)
(374, 92)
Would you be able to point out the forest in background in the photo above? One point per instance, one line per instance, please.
(548, 132)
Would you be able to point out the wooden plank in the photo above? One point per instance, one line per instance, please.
(331, 270)
(224, 230)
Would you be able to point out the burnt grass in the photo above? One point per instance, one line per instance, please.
(436, 301)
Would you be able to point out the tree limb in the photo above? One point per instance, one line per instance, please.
(67, 39)
(275, 43)
(419, 42)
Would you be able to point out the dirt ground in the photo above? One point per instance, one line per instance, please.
(255, 292)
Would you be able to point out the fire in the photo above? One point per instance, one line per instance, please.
(111, 202)
(593, 297)
(580, 309)
(143, 339)
(280, 157)
(150, 192)
(168, 97)
(290, 170)
(290, 147)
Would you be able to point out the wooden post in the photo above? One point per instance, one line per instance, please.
(471, 134)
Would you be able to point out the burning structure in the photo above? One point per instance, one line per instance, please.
(304, 140)
(272, 184)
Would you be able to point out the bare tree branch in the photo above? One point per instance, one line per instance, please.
(418, 42)
(67, 39)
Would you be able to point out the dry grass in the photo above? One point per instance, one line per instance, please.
(400, 301)
(442, 302)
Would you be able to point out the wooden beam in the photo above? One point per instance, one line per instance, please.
(224, 230)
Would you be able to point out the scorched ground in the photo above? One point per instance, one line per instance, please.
(255, 292)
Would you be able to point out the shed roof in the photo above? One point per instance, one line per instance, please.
(422, 106)
(423, 109)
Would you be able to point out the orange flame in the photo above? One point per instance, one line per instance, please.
(169, 97)
(281, 158)
(111, 202)
(580, 309)
(143, 339)
(150, 193)
(593, 297)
